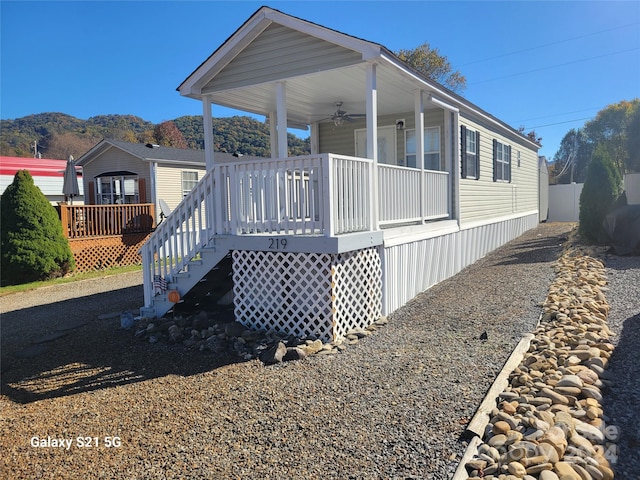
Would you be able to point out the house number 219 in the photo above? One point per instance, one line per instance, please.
(277, 243)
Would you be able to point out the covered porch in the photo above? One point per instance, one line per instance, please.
(383, 146)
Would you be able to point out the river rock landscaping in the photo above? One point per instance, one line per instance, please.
(549, 423)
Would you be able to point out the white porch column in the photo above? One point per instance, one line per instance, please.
(418, 106)
(314, 135)
(207, 122)
(273, 134)
(455, 169)
(281, 111)
(451, 152)
(372, 140)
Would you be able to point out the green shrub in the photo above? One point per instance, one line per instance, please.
(33, 246)
(602, 188)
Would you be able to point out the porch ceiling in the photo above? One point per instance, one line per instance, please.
(312, 97)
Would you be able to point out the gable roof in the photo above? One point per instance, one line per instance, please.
(155, 153)
(320, 66)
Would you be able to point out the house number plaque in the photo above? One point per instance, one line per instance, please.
(277, 243)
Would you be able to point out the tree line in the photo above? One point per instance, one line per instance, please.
(615, 129)
(58, 135)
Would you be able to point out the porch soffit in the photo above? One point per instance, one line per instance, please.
(311, 97)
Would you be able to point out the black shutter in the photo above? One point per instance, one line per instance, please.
(477, 155)
(463, 151)
(509, 163)
(495, 160)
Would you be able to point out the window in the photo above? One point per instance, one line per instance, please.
(117, 188)
(431, 148)
(470, 153)
(501, 162)
(189, 181)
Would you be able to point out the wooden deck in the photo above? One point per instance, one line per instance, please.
(104, 236)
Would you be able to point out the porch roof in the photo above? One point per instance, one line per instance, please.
(321, 66)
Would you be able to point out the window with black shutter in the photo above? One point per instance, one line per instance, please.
(501, 162)
(470, 153)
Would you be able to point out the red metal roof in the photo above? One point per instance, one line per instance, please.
(40, 167)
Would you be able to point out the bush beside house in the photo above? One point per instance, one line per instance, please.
(601, 190)
(32, 243)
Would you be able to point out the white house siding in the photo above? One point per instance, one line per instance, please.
(114, 160)
(261, 61)
(483, 199)
(341, 140)
(169, 182)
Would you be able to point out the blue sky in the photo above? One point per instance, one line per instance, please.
(545, 65)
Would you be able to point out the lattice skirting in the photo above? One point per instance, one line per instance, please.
(307, 294)
(104, 252)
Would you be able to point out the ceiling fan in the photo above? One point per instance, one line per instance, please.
(339, 116)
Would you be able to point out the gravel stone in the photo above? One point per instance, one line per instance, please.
(622, 400)
(393, 405)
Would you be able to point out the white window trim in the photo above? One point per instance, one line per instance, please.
(426, 152)
(473, 153)
(500, 154)
(122, 196)
(185, 191)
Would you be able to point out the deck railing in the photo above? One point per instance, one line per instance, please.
(323, 194)
(79, 221)
(404, 197)
(316, 194)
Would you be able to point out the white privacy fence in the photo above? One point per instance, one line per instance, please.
(564, 199)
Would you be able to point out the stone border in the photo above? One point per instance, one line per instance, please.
(548, 421)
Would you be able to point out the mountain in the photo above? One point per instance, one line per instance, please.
(59, 135)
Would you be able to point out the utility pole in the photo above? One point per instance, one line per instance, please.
(36, 153)
(574, 155)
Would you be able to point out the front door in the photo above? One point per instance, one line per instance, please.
(386, 145)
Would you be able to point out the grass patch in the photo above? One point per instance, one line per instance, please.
(25, 287)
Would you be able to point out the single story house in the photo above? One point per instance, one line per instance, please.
(407, 183)
(118, 172)
(48, 175)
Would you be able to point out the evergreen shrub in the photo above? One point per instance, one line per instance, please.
(602, 188)
(32, 244)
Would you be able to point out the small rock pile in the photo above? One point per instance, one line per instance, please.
(549, 422)
(200, 332)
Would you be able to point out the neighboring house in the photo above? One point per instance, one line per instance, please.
(47, 174)
(117, 172)
(376, 214)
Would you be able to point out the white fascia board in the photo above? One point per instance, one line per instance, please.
(367, 49)
(446, 97)
(94, 153)
(192, 86)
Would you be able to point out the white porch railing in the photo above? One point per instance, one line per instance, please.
(399, 195)
(322, 194)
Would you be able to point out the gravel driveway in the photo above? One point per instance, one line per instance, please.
(392, 406)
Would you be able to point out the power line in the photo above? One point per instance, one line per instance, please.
(560, 123)
(556, 66)
(528, 49)
(557, 115)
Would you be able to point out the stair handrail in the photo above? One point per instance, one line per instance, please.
(187, 229)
